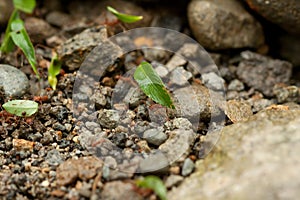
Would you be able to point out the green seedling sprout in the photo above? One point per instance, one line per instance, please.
(16, 34)
(124, 17)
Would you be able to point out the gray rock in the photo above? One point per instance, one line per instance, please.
(108, 118)
(197, 102)
(187, 167)
(223, 24)
(58, 18)
(179, 76)
(74, 50)
(6, 7)
(13, 81)
(178, 144)
(236, 85)
(38, 29)
(155, 136)
(155, 163)
(283, 13)
(92, 125)
(260, 104)
(119, 190)
(156, 54)
(263, 73)
(287, 93)
(54, 158)
(161, 70)
(173, 180)
(181, 123)
(213, 81)
(134, 96)
(245, 163)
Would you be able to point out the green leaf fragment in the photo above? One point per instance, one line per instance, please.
(152, 85)
(21, 108)
(26, 6)
(154, 183)
(22, 40)
(53, 71)
(7, 43)
(124, 17)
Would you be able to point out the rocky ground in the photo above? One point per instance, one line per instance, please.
(98, 133)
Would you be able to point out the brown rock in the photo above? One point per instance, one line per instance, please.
(38, 29)
(224, 24)
(283, 13)
(21, 144)
(118, 190)
(84, 168)
(238, 111)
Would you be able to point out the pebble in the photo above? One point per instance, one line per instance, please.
(119, 139)
(262, 73)
(119, 190)
(213, 81)
(182, 123)
(283, 13)
(108, 118)
(38, 29)
(13, 81)
(173, 180)
(187, 167)
(155, 136)
(91, 125)
(238, 111)
(287, 93)
(73, 51)
(22, 145)
(133, 97)
(154, 163)
(260, 104)
(224, 24)
(83, 168)
(179, 76)
(158, 54)
(236, 85)
(54, 157)
(161, 70)
(178, 144)
(6, 7)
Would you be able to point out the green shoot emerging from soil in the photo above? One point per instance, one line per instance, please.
(154, 183)
(21, 108)
(16, 33)
(152, 85)
(124, 17)
(53, 71)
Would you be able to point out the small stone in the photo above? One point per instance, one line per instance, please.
(182, 123)
(119, 139)
(133, 97)
(236, 85)
(224, 24)
(287, 93)
(213, 81)
(173, 180)
(161, 70)
(178, 144)
(179, 76)
(119, 190)
(58, 18)
(238, 111)
(99, 100)
(260, 104)
(6, 7)
(22, 145)
(155, 163)
(187, 167)
(262, 73)
(13, 81)
(155, 136)
(45, 183)
(91, 125)
(143, 146)
(156, 54)
(58, 126)
(38, 29)
(73, 51)
(84, 168)
(54, 158)
(108, 118)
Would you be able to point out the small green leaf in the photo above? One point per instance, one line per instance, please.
(21, 108)
(7, 43)
(124, 17)
(22, 40)
(152, 85)
(53, 71)
(154, 183)
(26, 6)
